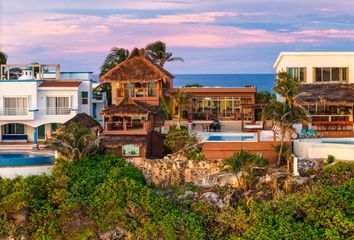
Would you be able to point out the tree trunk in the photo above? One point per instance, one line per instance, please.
(281, 149)
(179, 117)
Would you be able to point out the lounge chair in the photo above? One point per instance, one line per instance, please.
(303, 133)
(215, 126)
(312, 133)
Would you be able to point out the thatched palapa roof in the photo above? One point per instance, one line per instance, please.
(326, 93)
(84, 120)
(112, 141)
(137, 68)
(128, 107)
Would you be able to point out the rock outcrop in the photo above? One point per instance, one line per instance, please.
(171, 171)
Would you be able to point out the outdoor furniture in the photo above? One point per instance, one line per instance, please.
(215, 126)
(205, 127)
(312, 133)
(303, 133)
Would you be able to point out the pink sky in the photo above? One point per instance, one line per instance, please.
(212, 36)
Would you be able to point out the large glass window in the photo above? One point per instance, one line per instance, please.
(218, 107)
(130, 150)
(297, 73)
(14, 106)
(14, 129)
(151, 89)
(58, 106)
(327, 74)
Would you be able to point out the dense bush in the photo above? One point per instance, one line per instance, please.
(91, 196)
(195, 154)
(179, 138)
(94, 195)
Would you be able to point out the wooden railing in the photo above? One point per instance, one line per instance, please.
(128, 128)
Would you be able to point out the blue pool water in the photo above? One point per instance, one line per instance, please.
(24, 159)
(338, 142)
(222, 138)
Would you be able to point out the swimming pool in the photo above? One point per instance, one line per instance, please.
(11, 159)
(230, 138)
(338, 141)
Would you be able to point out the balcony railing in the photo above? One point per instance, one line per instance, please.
(128, 127)
(57, 111)
(137, 92)
(13, 112)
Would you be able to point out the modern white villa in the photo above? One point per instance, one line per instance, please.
(327, 91)
(36, 98)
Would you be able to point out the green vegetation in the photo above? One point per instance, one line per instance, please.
(91, 196)
(179, 138)
(181, 99)
(96, 195)
(330, 159)
(114, 57)
(163, 104)
(3, 58)
(156, 51)
(195, 154)
(74, 142)
(285, 114)
(244, 162)
(193, 85)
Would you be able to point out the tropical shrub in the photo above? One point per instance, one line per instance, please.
(74, 142)
(179, 138)
(330, 159)
(84, 198)
(195, 154)
(243, 162)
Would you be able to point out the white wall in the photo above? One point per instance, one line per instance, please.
(311, 60)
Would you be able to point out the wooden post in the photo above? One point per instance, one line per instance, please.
(258, 135)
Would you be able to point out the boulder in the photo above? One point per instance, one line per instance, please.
(115, 234)
(305, 165)
(213, 199)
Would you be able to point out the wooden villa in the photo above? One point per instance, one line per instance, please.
(330, 105)
(137, 86)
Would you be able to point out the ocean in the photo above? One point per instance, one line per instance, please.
(263, 82)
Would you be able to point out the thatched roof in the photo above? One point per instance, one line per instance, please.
(326, 93)
(84, 120)
(112, 141)
(137, 68)
(128, 107)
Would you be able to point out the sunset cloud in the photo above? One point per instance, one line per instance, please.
(78, 34)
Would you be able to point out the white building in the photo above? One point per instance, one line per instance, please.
(327, 89)
(317, 67)
(34, 105)
(99, 102)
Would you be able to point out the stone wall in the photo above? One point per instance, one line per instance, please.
(170, 171)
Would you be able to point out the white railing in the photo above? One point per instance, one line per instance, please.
(57, 111)
(13, 112)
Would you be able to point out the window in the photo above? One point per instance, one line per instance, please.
(58, 106)
(14, 106)
(297, 73)
(14, 128)
(130, 150)
(54, 127)
(151, 89)
(84, 98)
(333, 74)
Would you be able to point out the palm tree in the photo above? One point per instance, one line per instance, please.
(74, 142)
(3, 58)
(115, 56)
(181, 100)
(284, 116)
(286, 87)
(243, 162)
(156, 51)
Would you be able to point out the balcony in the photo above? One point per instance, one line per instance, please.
(128, 128)
(148, 95)
(57, 111)
(13, 112)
